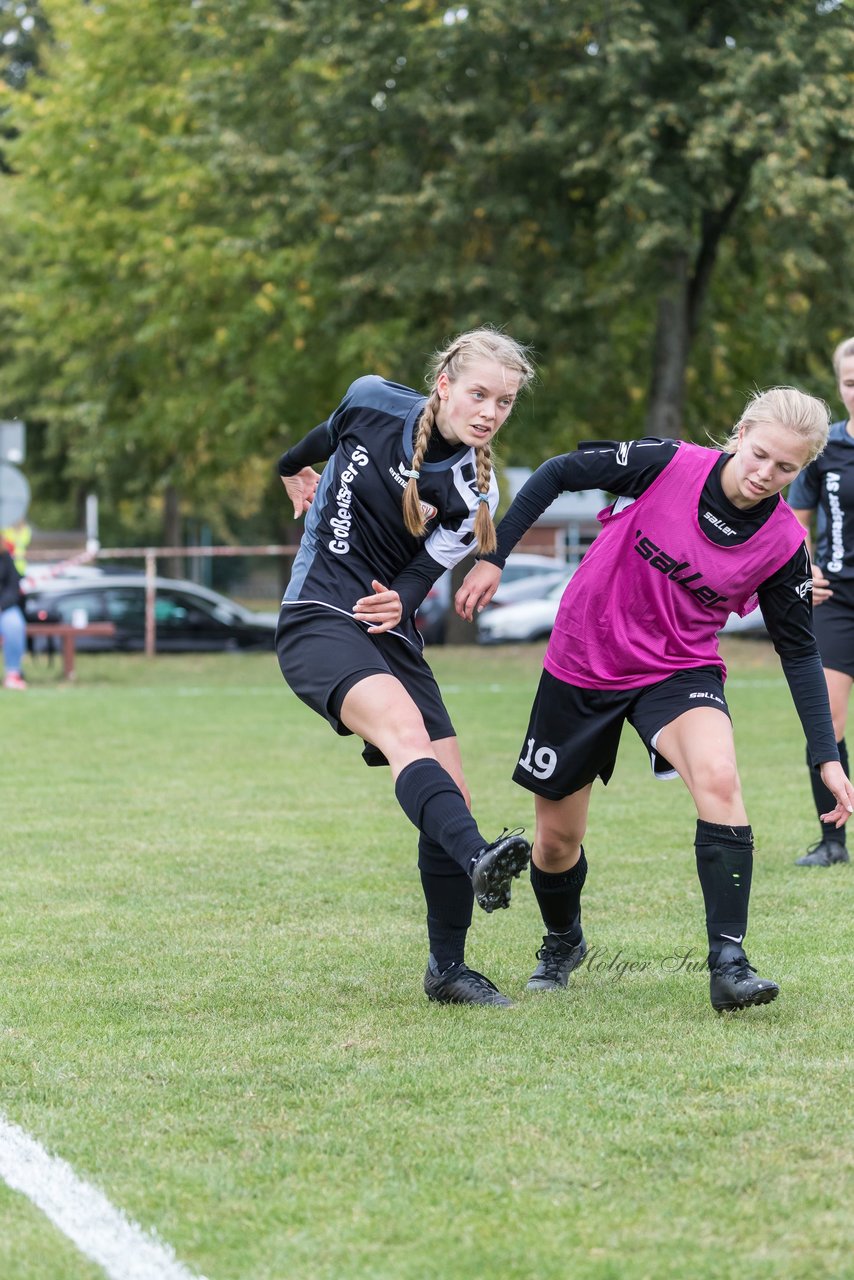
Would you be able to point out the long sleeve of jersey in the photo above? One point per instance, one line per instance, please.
(413, 582)
(625, 469)
(315, 447)
(805, 678)
(787, 612)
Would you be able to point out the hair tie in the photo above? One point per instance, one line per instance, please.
(413, 475)
(483, 497)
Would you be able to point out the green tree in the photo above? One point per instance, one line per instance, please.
(658, 195)
(159, 299)
(226, 209)
(729, 126)
(22, 28)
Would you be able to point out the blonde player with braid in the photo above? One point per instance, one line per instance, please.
(407, 491)
(413, 510)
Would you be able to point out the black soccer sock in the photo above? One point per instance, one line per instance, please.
(725, 868)
(450, 899)
(433, 803)
(558, 896)
(825, 800)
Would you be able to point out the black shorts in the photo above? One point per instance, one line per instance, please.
(323, 653)
(574, 733)
(833, 624)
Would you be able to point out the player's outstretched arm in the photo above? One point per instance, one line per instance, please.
(479, 586)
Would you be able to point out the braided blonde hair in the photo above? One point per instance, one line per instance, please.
(476, 344)
(804, 415)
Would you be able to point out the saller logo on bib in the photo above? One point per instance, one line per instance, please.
(678, 571)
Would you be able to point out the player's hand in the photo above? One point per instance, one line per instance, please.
(301, 489)
(383, 610)
(820, 586)
(833, 777)
(479, 586)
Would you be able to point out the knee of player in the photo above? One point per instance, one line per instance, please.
(405, 737)
(719, 778)
(557, 850)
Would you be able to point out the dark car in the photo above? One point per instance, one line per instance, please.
(187, 617)
(432, 616)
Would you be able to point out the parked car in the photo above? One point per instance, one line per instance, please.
(48, 571)
(522, 621)
(432, 616)
(187, 617)
(529, 620)
(753, 624)
(525, 576)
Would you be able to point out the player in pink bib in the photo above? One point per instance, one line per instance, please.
(694, 534)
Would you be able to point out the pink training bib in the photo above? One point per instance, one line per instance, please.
(653, 590)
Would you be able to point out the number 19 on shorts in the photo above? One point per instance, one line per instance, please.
(540, 763)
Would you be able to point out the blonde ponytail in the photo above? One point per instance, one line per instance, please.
(484, 527)
(413, 514)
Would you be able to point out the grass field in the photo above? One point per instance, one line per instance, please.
(212, 951)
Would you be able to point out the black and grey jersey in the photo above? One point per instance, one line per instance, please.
(826, 486)
(354, 531)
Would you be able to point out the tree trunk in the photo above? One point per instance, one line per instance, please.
(174, 565)
(680, 305)
(456, 630)
(670, 353)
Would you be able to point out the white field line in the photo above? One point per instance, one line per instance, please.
(83, 1213)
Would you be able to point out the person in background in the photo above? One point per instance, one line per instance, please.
(408, 490)
(695, 534)
(13, 627)
(17, 536)
(823, 494)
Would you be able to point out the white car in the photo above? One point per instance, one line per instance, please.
(522, 621)
(525, 621)
(525, 575)
(752, 624)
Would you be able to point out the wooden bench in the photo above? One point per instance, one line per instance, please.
(69, 636)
